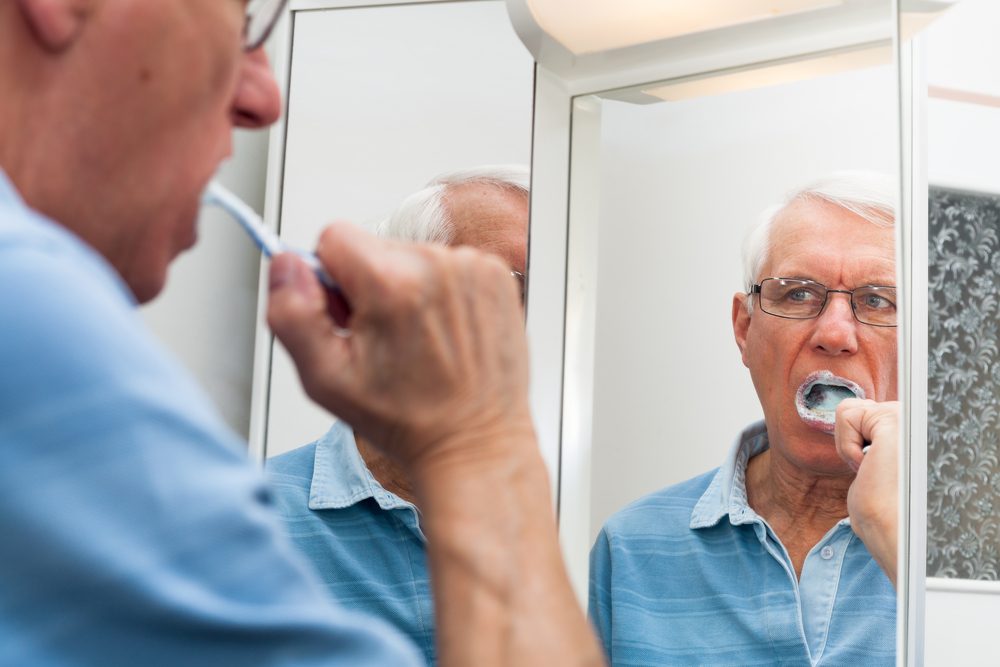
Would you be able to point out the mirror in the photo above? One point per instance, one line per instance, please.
(661, 197)
(963, 474)
(381, 99)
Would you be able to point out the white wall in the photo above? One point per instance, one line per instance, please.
(963, 53)
(961, 623)
(963, 144)
(207, 313)
(382, 99)
(682, 182)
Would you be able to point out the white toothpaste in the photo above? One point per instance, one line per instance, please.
(819, 395)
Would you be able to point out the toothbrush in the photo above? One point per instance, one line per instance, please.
(270, 244)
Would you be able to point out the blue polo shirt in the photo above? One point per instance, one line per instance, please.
(133, 530)
(364, 541)
(691, 575)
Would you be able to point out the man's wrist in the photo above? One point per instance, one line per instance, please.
(495, 450)
(879, 534)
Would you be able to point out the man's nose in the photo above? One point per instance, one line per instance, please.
(257, 102)
(836, 329)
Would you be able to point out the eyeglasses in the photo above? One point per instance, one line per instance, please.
(797, 299)
(260, 19)
(522, 283)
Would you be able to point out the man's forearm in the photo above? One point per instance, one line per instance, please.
(882, 543)
(501, 591)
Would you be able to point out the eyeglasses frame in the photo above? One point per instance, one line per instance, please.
(756, 289)
(256, 44)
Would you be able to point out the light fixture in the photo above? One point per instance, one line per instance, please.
(589, 26)
(593, 26)
(771, 75)
(915, 15)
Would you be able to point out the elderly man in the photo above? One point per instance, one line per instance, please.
(134, 530)
(348, 507)
(756, 562)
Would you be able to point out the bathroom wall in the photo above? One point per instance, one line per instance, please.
(207, 314)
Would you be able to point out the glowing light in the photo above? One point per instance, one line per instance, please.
(588, 26)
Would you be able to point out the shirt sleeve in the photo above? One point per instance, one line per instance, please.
(599, 603)
(133, 530)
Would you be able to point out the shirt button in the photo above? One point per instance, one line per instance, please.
(826, 553)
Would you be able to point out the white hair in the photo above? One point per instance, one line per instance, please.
(869, 195)
(423, 216)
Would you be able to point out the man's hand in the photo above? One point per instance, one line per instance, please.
(873, 499)
(436, 357)
(434, 372)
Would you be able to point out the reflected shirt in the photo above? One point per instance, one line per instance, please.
(133, 529)
(365, 542)
(691, 575)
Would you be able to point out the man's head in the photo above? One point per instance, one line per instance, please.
(118, 112)
(837, 233)
(486, 208)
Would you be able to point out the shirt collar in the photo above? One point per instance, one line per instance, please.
(10, 198)
(727, 493)
(341, 478)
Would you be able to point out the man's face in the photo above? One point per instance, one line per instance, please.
(492, 219)
(159, 87)
(821, 242)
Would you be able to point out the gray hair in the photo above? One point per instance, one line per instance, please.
(870, 195)
(424, 217)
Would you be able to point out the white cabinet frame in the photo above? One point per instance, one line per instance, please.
(562, 251)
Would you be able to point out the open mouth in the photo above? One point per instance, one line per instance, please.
(819, 395)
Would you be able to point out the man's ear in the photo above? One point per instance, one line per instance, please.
(55, 23)
(741, 323)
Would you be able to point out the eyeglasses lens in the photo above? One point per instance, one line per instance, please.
(805, 299)
(796, 299)
(875, 305)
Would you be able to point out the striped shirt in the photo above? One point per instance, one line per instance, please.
(134, 530)
(691, 575)
(365, 541)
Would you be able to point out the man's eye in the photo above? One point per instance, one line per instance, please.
(876, 302)
(800, 295)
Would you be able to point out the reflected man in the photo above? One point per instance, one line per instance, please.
(756, 562)
(349, 508)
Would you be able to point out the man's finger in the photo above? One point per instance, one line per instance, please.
(848, 431)
(297, 314)
(348, 253)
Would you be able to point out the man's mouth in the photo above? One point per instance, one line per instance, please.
(819, 395)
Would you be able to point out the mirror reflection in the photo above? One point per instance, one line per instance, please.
(381, 100)
(719, 503)
(429, 145)
(348, 507)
